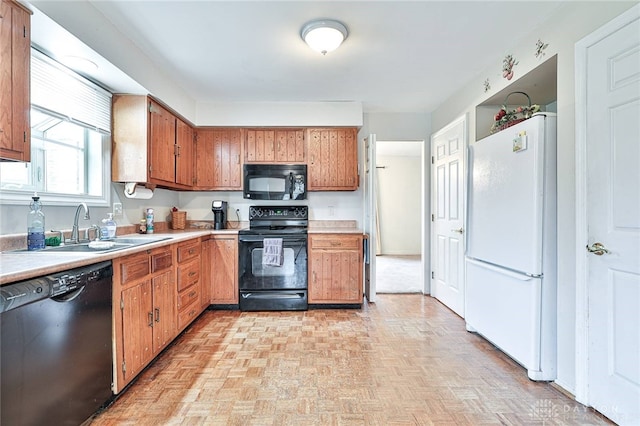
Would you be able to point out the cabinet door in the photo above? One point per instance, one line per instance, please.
(137, 328)
(162, 138)
(218, 159)
(227, 168)
(275, 146)
(206, 278)
(333, 159)
(204, 159)
(164, 310)
(184, 154)
(225, 271)
(290, 146)
(15, 66)
(260, 146)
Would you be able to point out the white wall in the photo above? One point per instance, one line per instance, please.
(344, 205)
(399, 203)
(14, 217)
(279, 114)
(574, 21)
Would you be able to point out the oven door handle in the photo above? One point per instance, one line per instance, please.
(273, 295)
(260, 238)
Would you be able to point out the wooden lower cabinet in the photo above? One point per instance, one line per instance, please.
(224, 264)
(335, 269)
(144, 289)
(188, 277)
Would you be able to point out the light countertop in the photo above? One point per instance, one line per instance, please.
(21, 266)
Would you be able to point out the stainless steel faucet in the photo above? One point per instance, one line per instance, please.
(75, 238)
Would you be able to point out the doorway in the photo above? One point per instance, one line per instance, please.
(399, 201)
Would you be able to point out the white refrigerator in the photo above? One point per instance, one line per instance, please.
(511, 243)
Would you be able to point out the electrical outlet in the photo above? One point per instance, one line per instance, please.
(117, 209)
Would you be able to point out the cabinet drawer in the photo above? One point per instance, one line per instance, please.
(187, 297)
(134, 268)
(332, 242)
(188, 251)
(188, 314)
(161, 260)
(188, 274)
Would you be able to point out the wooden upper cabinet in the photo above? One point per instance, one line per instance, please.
(218, 159)
(15, 70)
(150, 144)
(162, 138)
(333, 159)
(275, 146)
(185, 151)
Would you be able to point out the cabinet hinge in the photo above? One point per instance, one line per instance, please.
(24, 137)
(433, 217)
(124, 366)
(433, 275)
(24, 31)
(122, 304)
(432, 160)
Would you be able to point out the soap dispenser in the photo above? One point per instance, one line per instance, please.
(108, 228)
(35, 225)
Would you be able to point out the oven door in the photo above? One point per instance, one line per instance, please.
(265, 287)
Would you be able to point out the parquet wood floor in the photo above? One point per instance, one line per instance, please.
(405, 360)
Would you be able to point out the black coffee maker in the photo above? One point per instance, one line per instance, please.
(219, 209)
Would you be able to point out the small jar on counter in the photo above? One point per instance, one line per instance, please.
(143, 226)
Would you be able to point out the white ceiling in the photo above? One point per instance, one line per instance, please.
(400, 56)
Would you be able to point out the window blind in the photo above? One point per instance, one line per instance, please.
(59, 90)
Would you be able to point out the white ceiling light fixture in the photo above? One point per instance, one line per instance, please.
(324, 35)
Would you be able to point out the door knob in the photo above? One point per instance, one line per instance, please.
(459, 230)
(598, 249)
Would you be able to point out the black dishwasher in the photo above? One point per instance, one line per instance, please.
(55, 347)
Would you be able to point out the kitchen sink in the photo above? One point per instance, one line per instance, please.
(119, 243)
(85, 248)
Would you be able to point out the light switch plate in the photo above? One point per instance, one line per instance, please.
(117, 209)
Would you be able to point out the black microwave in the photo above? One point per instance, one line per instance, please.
(275, 181)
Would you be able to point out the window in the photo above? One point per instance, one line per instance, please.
(70, 140)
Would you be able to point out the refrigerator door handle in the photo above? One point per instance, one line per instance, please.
(507, 272)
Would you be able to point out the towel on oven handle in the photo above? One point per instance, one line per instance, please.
(272, 252)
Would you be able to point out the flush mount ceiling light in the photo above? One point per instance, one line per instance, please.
(324, 35)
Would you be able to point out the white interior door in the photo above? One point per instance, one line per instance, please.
(448, 149)
(369, 220)
(611, 135)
